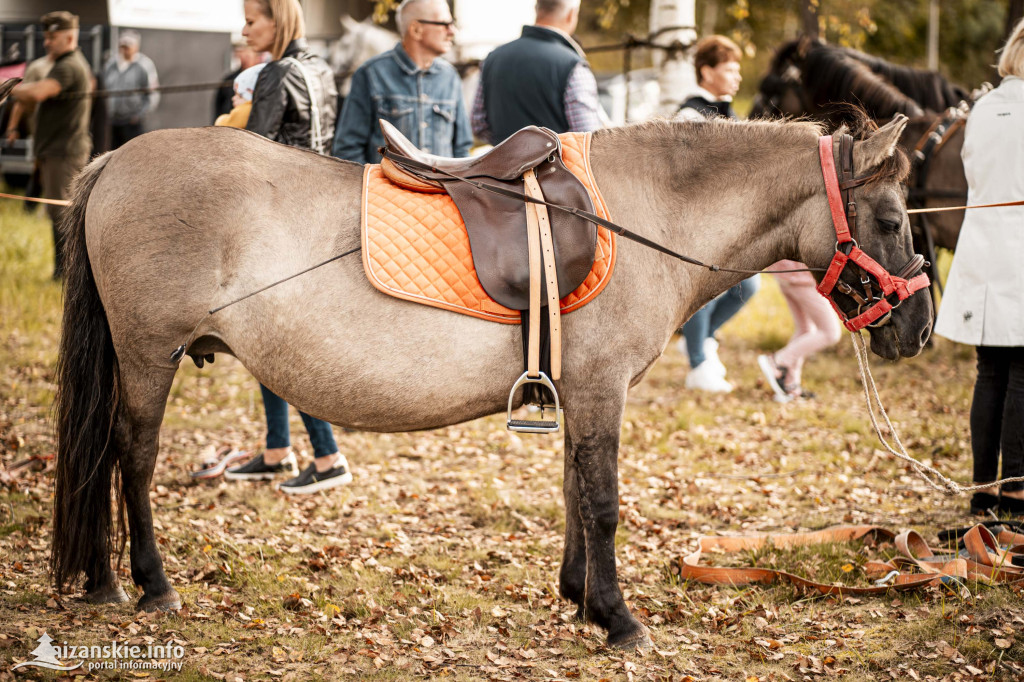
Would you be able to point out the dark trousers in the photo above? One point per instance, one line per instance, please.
(56, 173)
(997, 415)
(706, 321)
(278, 433)
(122, 132)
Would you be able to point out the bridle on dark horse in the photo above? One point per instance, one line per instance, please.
(881, 292)
(942, 129)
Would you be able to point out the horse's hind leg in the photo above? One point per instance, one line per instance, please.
(144, 391)
(594, 431)
(573, 577)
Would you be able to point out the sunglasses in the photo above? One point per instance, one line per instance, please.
(446, 24)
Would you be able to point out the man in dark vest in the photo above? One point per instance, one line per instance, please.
(542, 79)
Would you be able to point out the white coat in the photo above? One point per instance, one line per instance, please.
(984, 300)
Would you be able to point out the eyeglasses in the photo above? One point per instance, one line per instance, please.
(446, 24)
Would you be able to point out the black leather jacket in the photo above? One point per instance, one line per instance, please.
(281, 106)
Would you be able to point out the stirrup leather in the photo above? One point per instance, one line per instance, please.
(542, 258)
(535, 425)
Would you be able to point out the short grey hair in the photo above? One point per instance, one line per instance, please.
(402, 18)
(560, 8)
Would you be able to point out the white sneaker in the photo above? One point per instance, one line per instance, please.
(711, 355)
(775, 382)
(705, 377)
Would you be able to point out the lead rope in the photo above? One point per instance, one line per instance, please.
(941, 484)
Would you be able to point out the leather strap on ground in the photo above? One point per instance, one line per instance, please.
(918, 566)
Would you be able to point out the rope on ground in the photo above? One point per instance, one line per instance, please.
(928, 474)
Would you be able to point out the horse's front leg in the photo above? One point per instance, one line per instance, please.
(595, 448)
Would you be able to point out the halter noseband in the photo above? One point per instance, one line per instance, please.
(874, 307)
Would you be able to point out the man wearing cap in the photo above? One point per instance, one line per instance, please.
(62, 143)
(133, 71)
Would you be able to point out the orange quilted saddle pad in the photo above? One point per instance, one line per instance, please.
(415, 245)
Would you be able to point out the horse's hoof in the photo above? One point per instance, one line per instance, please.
(111, 594)
(169, 601)
(631, 639)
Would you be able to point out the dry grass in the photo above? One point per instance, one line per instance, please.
(441, 559)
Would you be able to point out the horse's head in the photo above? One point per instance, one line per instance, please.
(866, 196)
(781, 93)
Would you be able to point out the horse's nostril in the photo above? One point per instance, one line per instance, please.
(926, 333)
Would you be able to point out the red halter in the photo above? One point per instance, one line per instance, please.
(876, 279)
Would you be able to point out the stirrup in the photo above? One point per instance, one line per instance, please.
(534, 425)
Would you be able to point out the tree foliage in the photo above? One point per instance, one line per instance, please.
(896, 30)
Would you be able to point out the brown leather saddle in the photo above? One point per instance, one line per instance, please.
(523, 254)
(497, 224)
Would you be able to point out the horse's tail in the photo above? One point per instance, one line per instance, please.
(87, 408)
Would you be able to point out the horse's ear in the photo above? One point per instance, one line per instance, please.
(804, 45)
(881, 145)
(348, 24)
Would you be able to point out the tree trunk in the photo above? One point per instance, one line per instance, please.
(1014, 15)
(810, 17)
(673, 21)
(933, 35)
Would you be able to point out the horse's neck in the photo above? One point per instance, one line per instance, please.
(724, 194)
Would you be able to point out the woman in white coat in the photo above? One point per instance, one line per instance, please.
(984, 301)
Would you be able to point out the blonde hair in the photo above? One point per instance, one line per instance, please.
(289, 24)
(1012, 61)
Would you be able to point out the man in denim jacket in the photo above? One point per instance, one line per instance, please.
(410, 87)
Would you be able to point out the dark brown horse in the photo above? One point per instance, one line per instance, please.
(809, 78)
(177, 222)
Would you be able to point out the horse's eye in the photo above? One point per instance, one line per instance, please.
(890, 225)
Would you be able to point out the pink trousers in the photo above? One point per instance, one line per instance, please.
(817, 326)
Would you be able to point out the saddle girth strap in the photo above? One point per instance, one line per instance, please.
(550, 274)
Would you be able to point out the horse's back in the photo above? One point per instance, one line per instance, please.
(182, 218)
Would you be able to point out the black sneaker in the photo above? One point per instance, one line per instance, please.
(982, 503)
(258, 470)
(312, 481)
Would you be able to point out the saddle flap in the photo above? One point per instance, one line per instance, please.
(497, 234)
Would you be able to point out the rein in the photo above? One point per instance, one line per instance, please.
(407, 162)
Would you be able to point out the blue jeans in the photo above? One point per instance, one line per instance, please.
(278, 434)
(706, 321)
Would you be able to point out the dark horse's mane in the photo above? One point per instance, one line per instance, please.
(930, 89)
(839, 74)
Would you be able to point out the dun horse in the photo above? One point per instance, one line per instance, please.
(180, 221)
(810, 78)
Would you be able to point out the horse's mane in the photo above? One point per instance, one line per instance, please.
(661, 132)
(833, 74)
(930, 89)
(767, 134)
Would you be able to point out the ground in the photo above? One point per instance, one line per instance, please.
(441, 559)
